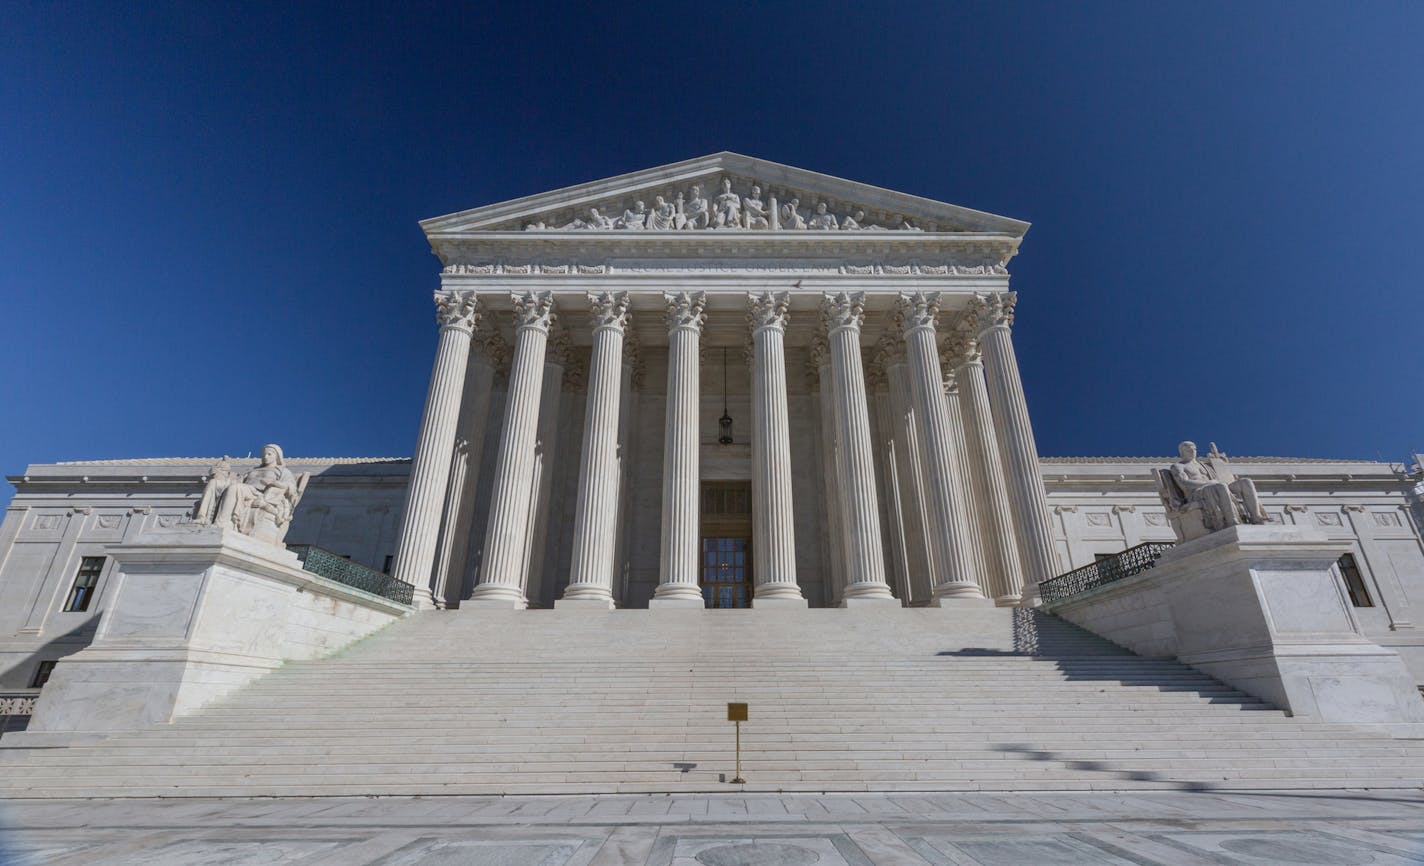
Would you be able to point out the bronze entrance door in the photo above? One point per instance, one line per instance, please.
(726, 568)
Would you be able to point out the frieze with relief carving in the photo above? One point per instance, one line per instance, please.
(731, 203)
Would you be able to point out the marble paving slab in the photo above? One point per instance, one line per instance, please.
(1166, 828)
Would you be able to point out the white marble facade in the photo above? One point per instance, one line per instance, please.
(588, 342)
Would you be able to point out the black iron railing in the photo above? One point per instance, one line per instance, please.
(319, 560)
(1134, 560)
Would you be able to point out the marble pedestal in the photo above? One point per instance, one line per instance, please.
(676, 604)
(1261, 608)
(194, 613)
(870, 602)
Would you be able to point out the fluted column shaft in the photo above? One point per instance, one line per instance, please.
(995, 510)
(457, 313)
(595, 520)
(967, 488)
(1016, 445)
(507, 535)
(775, 558)
(919, 556)
(677, 579)
(953, 575)
(453, 549)
(865, 571)
(833, 550)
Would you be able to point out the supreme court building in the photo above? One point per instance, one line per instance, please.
(723, 382)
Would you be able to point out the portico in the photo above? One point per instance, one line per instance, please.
(858, 339)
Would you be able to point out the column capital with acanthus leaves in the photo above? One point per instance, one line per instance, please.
(843, 310)
(686, 310)
(994, 310)
(533, 310)
(459, 310)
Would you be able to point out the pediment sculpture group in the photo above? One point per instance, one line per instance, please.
(1204, 496)
(725, 210)
(259, 503)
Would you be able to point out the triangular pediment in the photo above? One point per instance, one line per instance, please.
(724, 192)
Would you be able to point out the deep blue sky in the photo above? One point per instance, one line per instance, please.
(208, 212)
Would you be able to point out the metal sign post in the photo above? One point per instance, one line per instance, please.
(738, 713)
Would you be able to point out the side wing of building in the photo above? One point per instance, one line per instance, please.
(54, 568)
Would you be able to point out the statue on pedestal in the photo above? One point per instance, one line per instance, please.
(1202, 497)
(259, 505)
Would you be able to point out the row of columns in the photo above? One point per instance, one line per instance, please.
(980, 512)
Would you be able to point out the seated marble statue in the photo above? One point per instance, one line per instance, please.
(727, 207)
(822, 219)
(260, 504)
(754, 212)
(662, 216)
(634, 218)
(1202, 497)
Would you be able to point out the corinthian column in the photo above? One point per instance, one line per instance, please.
(865, 567)
(595, 521)
(995, 314)
(954, 578)
(677, 579)
(775, 558)
(487, 353)
(507, 535)
(996, 522)
(457, 313)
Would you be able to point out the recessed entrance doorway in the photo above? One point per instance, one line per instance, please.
(726, 572)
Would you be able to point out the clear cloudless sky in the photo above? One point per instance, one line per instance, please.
(208, 212)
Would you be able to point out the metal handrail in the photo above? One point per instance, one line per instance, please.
(1111, 569)
(320, 561)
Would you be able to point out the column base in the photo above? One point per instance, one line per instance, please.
(1008, 600)
(780, 601)
(957, 594)
(422, 599)
(869, 591)
(497, 596)
(567, 603)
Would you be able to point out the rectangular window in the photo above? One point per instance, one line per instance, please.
(42, 674)
(1354, 582)
(84, 583)
(386, 568)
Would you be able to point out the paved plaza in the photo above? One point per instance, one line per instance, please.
(1335, 828)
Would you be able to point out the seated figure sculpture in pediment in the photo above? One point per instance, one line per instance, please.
(1202, 497)
(260, 504)
(822, 219)
(693, 213)
(754, 212)
(634, 218)
(663, 216)
(727, 207)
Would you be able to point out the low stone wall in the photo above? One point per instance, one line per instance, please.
(195, 613)
(1132, 613)
(1262, 609)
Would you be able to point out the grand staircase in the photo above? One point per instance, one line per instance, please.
(481, 702)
